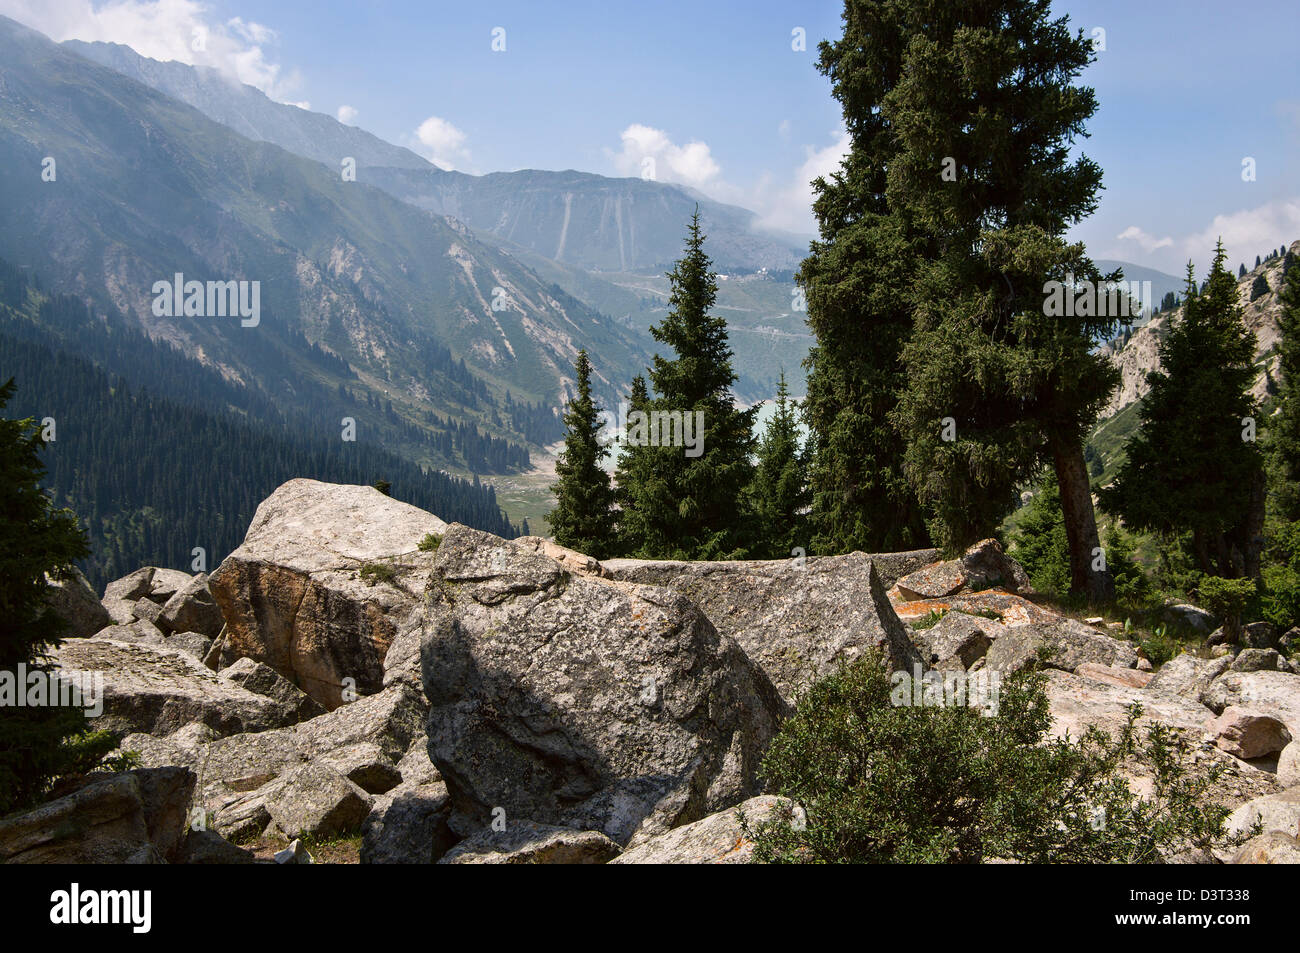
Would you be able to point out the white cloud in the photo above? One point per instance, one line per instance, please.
(1147, 242)
(1247, 233)
(347, 115)
(790, 207)
(649, 150)
(180, 30)
(444, 143)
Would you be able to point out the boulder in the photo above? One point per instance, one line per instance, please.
(1078, 702)
(1188, 675)
(156, 690)
(1189, 615)
(1273, 693)
(326, 580)
(314, 800)
(1063, 643)
(523, 842)
(165, 583)
(408, 826)
(717, 839)
(193, 644)
(661, 572)
(261, 679)
(1248, 734)
(141, 630)
(957, 641)
(112, 819)
(209, 847)
(295, 853)
(1273, 847)
(1275, 812)
(1288, 766)
(1259, 635)
(192, 609)
(76, 603)
(983, 566)
(1125, 677)
(133, 586)
(1256, 660)
(583, 702)
(799, 620)
(1007, 608)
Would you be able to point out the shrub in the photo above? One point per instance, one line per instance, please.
(372, 573)
(1227, 599)
(884, 784)
(430, 543)
(1040, 543)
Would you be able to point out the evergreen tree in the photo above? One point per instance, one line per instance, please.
(780, 493)
(583, 517)
(1241, 272)
(1189, 467)
(1259, 287)
(1284, 426)
(39, 743)
(692, 505)
(640, 491)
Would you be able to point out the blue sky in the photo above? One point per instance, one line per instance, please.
(715, 93)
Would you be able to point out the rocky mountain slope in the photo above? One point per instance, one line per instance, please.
(360, 672)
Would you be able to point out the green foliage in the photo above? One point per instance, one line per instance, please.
(676, 505)
(583, 517)
(1259, 287)
(1188, 468)
(384, 487)
(1283, 437)
(881, 783)
(373, 572)
(929, 620)
(1228, 599)
(430, 543)
(1039, 542)
(779, 494)
(37, 744)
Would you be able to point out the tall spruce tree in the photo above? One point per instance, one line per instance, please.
(1284, 426)
(685, 499)
(1192, 466)
(780, 491)
(583, 517)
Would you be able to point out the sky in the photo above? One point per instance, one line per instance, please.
(725, 96)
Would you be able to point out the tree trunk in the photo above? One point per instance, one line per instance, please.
(1080, 522)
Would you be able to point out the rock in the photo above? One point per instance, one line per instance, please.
(183, 747)
(717, 839)
(661, 572)
(523, 842)
(76, 603)
(293, 595)
(798, 621)
(192, 609)
(149, 611)
(583, 702)
(263, 680)
(1190, 616)
(1144, 665)
(1288, 766)
(957, 641)
(1259, 635)
(570, 559)
(209, 847)
(1078, 703)
(1273, 693)
(295, 853)
(1256, 660)
(1289, 639)
(316, 800)
(191, 643)
(165, 583)
(141, 630)
(1126, 677)
(994, 604)
(1063, 643)
(983, 566)
(408, 826)
(1275, 812)
(154, 689)
(112, 819)
(365, 765)
(130, 587)
(120, 611)
(1248, 734)
(1274, 847)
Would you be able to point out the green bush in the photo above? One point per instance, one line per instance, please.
(1280, 600)
(1040, 544)
(372, 573)
(1228, 599)
(430, 543)
(879, 783)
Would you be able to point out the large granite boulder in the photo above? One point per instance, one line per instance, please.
(1271, 693)
(328, 578)
(524, 842)
(799, 620)
(261, 679)
(1188, 675)
(76, 603)
(983, 566)
(133, 817)
(582, 702)
(717, 839)
(156, 690)
(191, 608)
(408, 825)
(1062, 643)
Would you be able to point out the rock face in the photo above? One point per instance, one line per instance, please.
(133, 817)
(263, 680)
(527, 843)
(327, 579)
(717, 839)
(798, 620)
(583, 702)
(155, 690)
(74, 601)
(408, 826)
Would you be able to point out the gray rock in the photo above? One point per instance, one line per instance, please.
(1249, 734)
(293, 596)
(1259, 635)
(1273, 693)
(141, 630)
(1256, 660)
(1274, 847)
(1063, 643)
(983, 566)
(1192, 616)
(798, 621)
(209, 847)
(316, 800)
(191, 643)
(1275, 812)
(261, 679)
(165, 583)
(132, 586)
(295, 853)
(192, 609)
(149, 611)
(112, 819)
(1288, 766)
(365, 765)
(583, 702)
(717, 839)
(408, 826)
(957, 641)
(523, 842)
(1188, 675)
(154, 689)
(74, 601)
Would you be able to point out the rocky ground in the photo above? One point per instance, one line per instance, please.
(361, 681)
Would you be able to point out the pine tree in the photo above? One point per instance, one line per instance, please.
(583, 517)
(1259, 287)
(1189, 466)
(780, 492)
(691, 501)
(1284, 426)
(639, 491)
(36, 743)
(1241, 272)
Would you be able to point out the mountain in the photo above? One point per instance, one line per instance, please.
(391, 298)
